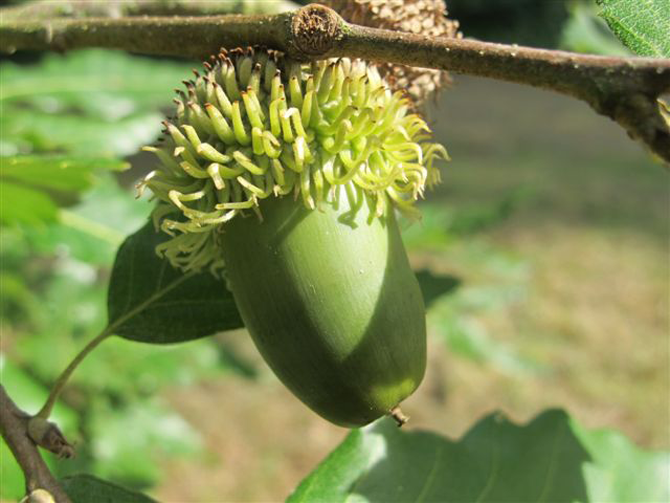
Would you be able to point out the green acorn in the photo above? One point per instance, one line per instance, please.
(287, 174)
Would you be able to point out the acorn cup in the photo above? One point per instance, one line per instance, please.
(287, 176)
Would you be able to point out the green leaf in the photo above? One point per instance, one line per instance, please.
(619, 471)
(22, 205)
(93, 102)
(44, 132)
(549, 459)
(34, 186)
(61, 173)
(150, 301)
(87, 489)
(643, 25)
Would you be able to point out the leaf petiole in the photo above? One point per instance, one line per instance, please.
(60, 383)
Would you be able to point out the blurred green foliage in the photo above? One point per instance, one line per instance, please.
(536, 23)
(574, 25)
(91, 102)
(65, 121)
(56, 306)
(77, 116)
(453, 313)
(55, 274)
(31, 194)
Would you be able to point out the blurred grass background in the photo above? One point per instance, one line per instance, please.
(544, 261)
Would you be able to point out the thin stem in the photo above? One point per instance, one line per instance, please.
(45, 411)
(60, 383)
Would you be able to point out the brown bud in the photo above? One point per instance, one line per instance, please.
(47, 435)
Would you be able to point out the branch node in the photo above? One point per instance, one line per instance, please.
(14, 431)
(315, 30)
(47, 435)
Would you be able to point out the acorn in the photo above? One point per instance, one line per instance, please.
(286, 176)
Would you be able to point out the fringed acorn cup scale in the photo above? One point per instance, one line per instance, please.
(287, 175)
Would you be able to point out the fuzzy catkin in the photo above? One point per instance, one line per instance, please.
(258, 125)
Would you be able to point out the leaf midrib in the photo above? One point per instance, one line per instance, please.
(147, 303)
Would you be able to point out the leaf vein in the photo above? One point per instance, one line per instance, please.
(430, 480)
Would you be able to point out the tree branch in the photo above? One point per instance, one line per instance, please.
(190, 37)
(624, 89)
(14, 430)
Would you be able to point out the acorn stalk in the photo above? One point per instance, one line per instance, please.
(287, 175)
